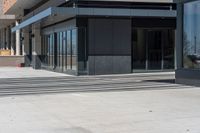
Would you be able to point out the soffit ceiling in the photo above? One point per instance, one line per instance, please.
(20, 5)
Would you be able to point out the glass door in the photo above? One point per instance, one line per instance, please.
(139, 50)
(154, 40)
(152, 49)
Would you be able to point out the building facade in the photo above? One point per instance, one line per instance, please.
(188, 42)
(11, 50)
(96, 37)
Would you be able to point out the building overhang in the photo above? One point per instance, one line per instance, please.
(67, 13)
(19, 5)
(4, 23)
(6, 20)
(149, 1)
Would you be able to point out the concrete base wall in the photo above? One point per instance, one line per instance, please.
(36, 61)
(188, 77)
(11, 61)
(109, 65)
(193, 82)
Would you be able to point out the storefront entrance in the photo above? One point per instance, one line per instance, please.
(152, 49)
(59, 50)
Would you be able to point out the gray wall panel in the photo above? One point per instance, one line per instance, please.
(109, 46)
(91, 36)
(103, 37)
(103, 65)
(91, 65)
(122, 64)
(121, 37)
(188, 77)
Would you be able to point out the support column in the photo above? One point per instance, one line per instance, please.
(36, 46)
(7, 38)
(179, 38)
(17, 40)
(0, 39)
(12, 38)
(26, 44)
(4, 39)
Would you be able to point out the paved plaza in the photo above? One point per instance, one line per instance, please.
(133, 103)
(18, 72)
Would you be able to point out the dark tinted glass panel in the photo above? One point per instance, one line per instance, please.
(154, 49)
(168, 49)
(51, 51)
(82, 48)
(139, 49)
(45, 50)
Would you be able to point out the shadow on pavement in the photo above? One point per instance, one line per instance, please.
(169, 81)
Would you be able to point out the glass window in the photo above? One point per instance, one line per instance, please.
(74, 49)
(64, 51)
(51, 50)
(44, 50)
(61, 49)
(58, 50)
(168, 49)
(154, 39)
(82, 51)
(61, 53)
(68, 49)
(191, 35)
(139, 49)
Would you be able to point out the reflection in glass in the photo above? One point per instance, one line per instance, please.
(74, 49)
(64, 52)
(153, 49)
(60, 50)
(191, 35)
(51, 50)
(68, 49)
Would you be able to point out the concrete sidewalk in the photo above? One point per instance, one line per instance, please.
(149, 111)
(16, 72)
(28, 72)
(132, 103)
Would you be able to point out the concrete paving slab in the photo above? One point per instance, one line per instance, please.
(70, 105)
(154, 111)
(17, 72)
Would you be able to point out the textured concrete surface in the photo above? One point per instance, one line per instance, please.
(17, 72)
(153, 111)
(140, 103)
